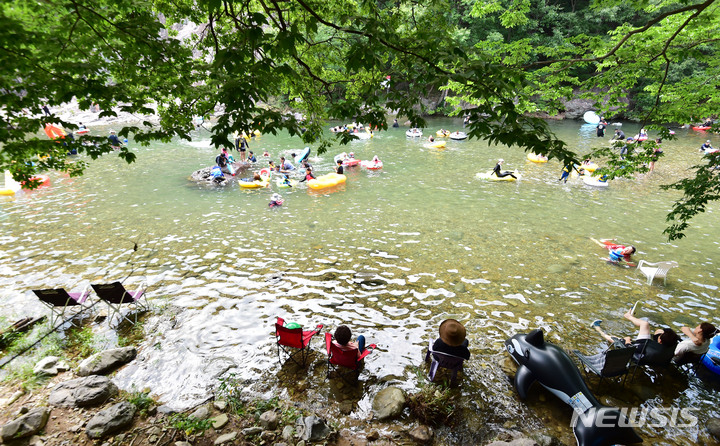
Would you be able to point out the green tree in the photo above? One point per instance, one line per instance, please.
(258, 64)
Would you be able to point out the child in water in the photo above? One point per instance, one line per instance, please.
(616, 253)
(275, 200)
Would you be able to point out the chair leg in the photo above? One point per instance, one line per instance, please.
(433, 370)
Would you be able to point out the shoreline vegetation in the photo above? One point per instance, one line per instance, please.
(231, 415)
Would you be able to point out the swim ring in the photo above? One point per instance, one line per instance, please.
(590, 167)
(304, 155)
(371, 165)
(250, 184)
(265, 173)
(442, 134)
(491, 177)
(412, 133)
(591, 117)
(83, 131)
(325, 181)
(594, 181)
(535, 158)
(43, 179)
(457, 136)
(711, 360)
(438, 145)
(54, 132)
(701, 128)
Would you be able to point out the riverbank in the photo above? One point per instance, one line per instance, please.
(32, 413)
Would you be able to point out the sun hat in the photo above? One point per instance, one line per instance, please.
(501, 160)
(708, 141)
(452, 332)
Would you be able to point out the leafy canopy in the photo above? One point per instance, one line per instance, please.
(264, 65)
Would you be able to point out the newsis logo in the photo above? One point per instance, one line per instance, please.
(636, 417)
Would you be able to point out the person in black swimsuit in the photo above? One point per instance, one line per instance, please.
(500, 173)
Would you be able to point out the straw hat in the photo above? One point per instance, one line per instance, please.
(452, 332)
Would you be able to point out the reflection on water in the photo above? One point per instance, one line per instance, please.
(391, 254)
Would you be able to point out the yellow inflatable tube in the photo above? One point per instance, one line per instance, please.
(325, 181)
(535, 158)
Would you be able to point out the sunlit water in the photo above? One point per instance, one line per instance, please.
(391, 254)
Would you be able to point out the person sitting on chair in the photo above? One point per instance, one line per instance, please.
(452, 339)
(651, 348)
(698, 342)
(343, 337)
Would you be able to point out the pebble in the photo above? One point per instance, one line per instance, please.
(226, 438)
(220, 421)
(220, 404)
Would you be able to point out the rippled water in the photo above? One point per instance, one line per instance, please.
(391, 254)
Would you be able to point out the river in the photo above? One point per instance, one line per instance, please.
(391, 254)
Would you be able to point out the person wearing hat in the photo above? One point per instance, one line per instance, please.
(114, 140)
(452, 339)
(275, 200)
(706, 146)
(500, 173)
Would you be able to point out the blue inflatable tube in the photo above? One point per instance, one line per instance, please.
(711, 360)
(304, 155)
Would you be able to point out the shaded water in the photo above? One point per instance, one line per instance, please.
(391, 254)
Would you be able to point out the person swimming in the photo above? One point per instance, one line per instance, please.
(500, 173)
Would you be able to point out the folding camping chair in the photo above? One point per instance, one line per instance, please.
(289, 339)
(609, 364)
(114, 294)
(340, 358)
(444, 360)
(59, 300)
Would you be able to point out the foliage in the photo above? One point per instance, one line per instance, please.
(135, 333)
(230, 390)
(432, 404)
(141, 401)
(275, 66)
(81, 342)
(189, 425)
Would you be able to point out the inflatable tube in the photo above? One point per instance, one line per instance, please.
(594, 181)
(304, 155)
(458, 136)
(441, 134)
(590, 167)
(491, 177)
(711, 360)
(83, 131)
(43, 179)
(250, 184)
(413, 133)
(265, 173)
(641, 138)
(11, 186)
(535, 158)
(549, 365)
(282, 184)
(362, 135)
(54, 132)
(701, 128)
(325, 181)
(438, 145)
(591, 117)
(351, 162)
(371, 165)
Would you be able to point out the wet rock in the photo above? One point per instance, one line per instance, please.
(312, 428)
(713, 426)
(204, 176)
(220, 404)
(269, 420)
(460, 288)
(220, 421)
(346, 407)
(82, 392)
(388, 403)
(50, 365)
(421, 434)
(106, 361)
(201, 413)
(27, 425)
(226, 438)
(110, 420)
(250, 431)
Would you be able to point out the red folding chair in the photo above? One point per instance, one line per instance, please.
(294, 338)
(340, 358)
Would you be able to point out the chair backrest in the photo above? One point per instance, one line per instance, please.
(617, 361)
(654, 353)
(343, 357)
(56, 297)
(448, 361)
(664, 267)
(289, 337)
(113, 292)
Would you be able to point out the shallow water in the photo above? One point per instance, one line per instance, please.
(391, 254)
